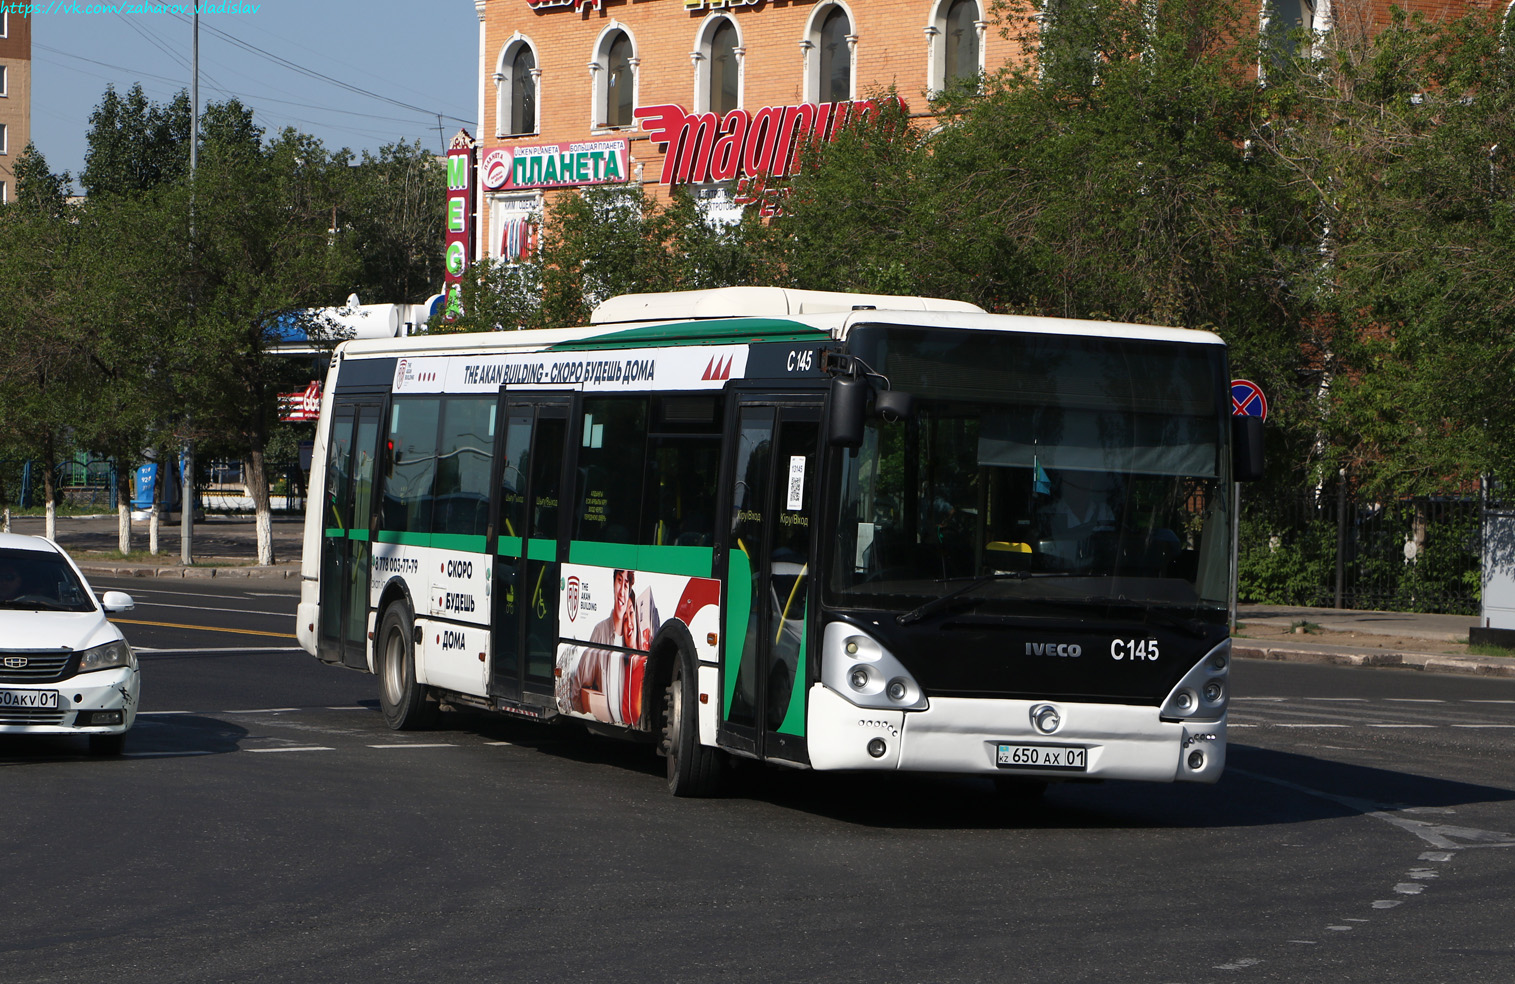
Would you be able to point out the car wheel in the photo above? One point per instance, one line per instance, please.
(406, 704)
(693, 769)
(107, 745)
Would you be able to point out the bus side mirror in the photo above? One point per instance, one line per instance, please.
(894, 405)
(849, 404)
(1246, 448)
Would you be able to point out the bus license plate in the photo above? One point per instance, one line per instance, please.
(28, 698)
(1067, 758)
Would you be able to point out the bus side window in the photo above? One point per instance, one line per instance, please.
(463, 465)
(680, 492)
(412, 465)
(612, 452)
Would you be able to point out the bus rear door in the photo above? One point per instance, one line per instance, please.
(352, 450)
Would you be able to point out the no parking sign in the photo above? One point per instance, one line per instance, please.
(1247, 399)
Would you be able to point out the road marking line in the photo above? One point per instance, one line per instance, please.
(147, 755)
(1483, 725)
(1362, 699)
(1414, 700)
(1260, 698)
(348, 707)
(1282, 725)
(1401, 725)
(203, 628)
(161, 713)
(298, 748)
(408, 744)
(499, 743)
(1472, 701)
(1387, 903)
(263, 710)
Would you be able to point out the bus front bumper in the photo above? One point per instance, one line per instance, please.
(961, 735)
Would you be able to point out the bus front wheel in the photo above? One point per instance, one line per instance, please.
(693, 769)
(406, 705)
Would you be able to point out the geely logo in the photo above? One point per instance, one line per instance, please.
(15, 662)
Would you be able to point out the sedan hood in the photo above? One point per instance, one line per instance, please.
(34, 630)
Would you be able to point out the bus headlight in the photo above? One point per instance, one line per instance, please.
(862, 671)
(1202, 695)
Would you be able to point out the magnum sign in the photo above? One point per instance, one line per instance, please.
(706, 147)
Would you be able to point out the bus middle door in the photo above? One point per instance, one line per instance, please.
(525, 590)
(346, 548)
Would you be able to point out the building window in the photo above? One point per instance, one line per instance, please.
(835, 57)
(5, 24)
(960, 43)
(517, 80)
(3, 198)
(723, 88)
(4, 147)
(618, 94)
(4, 82)
(1290, 22)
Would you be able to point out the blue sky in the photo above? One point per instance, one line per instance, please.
(410, 61)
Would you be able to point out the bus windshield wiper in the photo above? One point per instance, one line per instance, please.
(952, 598)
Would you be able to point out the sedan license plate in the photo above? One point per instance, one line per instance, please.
(1064, 758)
(28, 698)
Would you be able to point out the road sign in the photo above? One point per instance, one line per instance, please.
(1247, 399)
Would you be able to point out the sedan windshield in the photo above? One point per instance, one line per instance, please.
(1058, 469)
(38, 580)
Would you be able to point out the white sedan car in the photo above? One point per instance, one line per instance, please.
(64, 668)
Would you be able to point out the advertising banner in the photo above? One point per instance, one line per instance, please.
(559, 165)
(608, 620)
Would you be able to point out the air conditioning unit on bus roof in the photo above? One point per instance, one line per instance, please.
(758, 302)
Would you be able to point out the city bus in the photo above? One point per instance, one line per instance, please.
(821, 530)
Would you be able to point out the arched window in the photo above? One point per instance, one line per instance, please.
(620, 84)
(516, 79)
(836, 57)
(961, 42)
(523, 92)
(724, 82)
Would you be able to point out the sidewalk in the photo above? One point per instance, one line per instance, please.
(226, 546)
(222, 546)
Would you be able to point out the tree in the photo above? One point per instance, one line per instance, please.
(135, 144)
(393, 211)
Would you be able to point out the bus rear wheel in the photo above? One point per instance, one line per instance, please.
(693, 769)
(406, 704)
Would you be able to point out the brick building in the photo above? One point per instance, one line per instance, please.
(581, 92)
(15, 96)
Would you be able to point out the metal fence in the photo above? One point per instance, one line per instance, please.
(1412, 555)
(90, 481)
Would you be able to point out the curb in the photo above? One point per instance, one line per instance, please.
(1428, 662)
(243, 573)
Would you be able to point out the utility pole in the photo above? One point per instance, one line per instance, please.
(187, 460)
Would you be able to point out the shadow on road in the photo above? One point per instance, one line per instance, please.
(179, 735)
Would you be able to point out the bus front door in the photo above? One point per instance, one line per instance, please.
(346, 547)
(525, 589)
(774, 473)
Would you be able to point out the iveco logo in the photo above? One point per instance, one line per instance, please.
(15, 662)
(1053, 649)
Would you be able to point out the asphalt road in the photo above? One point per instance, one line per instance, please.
(264, 825)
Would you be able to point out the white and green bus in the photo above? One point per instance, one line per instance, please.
(830, 531)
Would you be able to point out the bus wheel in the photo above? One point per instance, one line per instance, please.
(693, 769)
(405, 702)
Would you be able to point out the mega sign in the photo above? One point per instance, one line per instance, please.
(556, 165)
(703, 147)
(459, 219)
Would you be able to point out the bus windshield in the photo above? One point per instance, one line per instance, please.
(1057, 469)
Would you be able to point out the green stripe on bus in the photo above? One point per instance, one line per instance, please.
(546, 550)
(461, 542)
(509, 546)
(403, 539)
(738, 613)
(336, 534)
(699, 333)
(686, 561)
(794, 718)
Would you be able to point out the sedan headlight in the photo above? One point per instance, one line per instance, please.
(104, 657)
